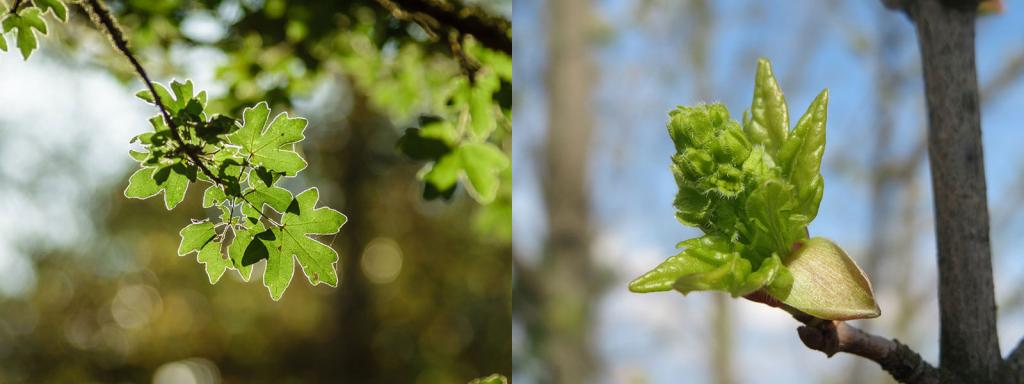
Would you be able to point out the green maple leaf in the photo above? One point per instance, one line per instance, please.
(242, 163)
(172, 180)
(183, 99)
(214, 195)
(481, 104)
(291, 240)
(202, 238)
(25, 21)
(270, 146)
(244, 252)
(264, 193)
(56, 6)
(480, 164)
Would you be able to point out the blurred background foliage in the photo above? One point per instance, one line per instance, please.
(424, 292)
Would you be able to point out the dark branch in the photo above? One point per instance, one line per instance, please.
(491, 31)
(105, 20)
(831, 337)
(14, 8)
(1013, 367)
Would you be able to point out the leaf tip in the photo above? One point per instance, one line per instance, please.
(649, 283)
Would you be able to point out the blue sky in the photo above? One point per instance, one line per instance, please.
(662, 337)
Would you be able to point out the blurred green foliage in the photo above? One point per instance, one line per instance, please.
(424, 294)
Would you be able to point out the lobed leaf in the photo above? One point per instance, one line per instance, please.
(317, 260)
(173, 180)
(201, 237)
(25, 21)
(57, 7)
(247, 161)
(270, 146)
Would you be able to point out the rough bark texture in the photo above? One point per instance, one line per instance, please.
(969, 347)
(568, 278)
(1013, 369)
(831, 337)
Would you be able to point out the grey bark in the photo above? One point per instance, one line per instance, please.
(969, 346)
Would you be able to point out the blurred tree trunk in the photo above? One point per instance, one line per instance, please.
(567, 272)
(356, 361)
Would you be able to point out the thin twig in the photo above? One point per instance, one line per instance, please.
(491, 31)
(1013, 366)
(434, 28)
(104, 19)
(14, 8)
(830, 337)
(469, 65)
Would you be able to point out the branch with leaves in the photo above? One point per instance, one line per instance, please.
(25, 19)
(242, 162)
(492, 31)
(459, 141)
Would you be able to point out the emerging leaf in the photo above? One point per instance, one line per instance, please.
(769, 123)
(828, 284)
(712, 263)
(753, 192)
(800, 156)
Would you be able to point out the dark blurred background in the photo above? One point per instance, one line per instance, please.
(91, 289)
(594, 81)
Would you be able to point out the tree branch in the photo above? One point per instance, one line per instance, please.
(831, 337)
(14, 8)
(492, 31)
(102, 17)
(1013, 367)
